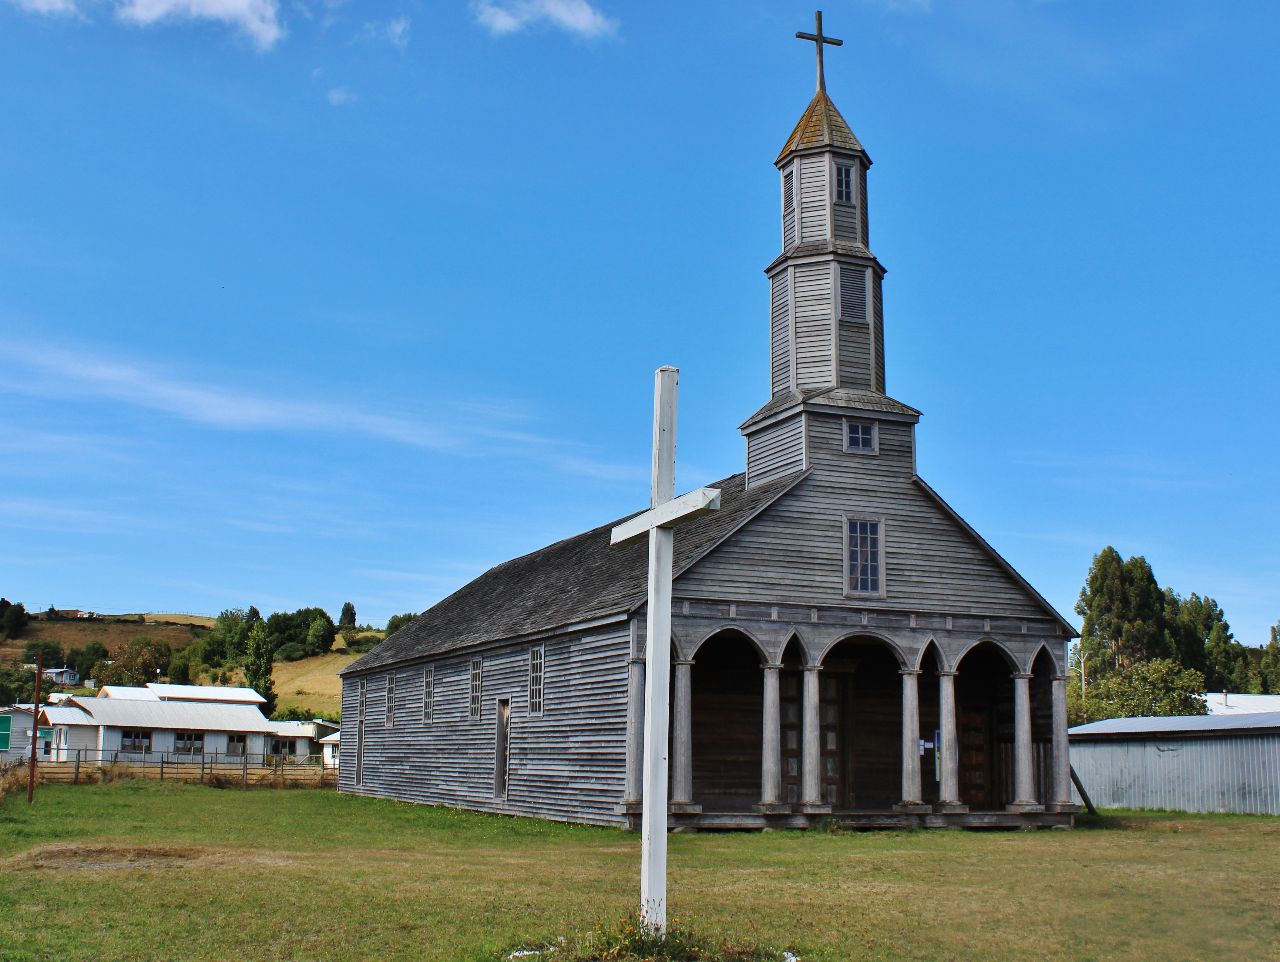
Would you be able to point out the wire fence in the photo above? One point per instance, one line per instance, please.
(86, 766)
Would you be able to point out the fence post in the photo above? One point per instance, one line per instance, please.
(202, 768)
(75, 778)
(162, 768)
(244, 769)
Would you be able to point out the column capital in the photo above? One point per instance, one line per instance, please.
(947, 674)
(1019, 675)
(811, 668)
(636, 660)
(1063, 678)
(772, 666)
(908, 671)
(682, 662)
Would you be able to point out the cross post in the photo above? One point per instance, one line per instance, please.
(664, 513)
(819, 39)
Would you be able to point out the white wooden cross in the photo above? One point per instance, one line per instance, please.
(664, 513)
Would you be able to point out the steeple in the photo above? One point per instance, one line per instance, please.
(826, 340)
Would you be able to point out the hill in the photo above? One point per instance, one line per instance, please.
(311, 682)
(113, 634)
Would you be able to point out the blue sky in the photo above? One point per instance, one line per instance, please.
(308, 300)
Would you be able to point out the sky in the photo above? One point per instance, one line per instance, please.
(308, 301)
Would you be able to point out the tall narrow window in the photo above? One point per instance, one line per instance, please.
(536, 656)
(428, 692)
(477, 681)
(360, 705)
(788, 191)
(844, 184)
(864, 557)
(391, 698)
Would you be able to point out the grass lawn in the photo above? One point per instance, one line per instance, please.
(135, 870)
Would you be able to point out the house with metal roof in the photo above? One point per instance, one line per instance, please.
(844, 644)
(1185, 763)
(156, 691)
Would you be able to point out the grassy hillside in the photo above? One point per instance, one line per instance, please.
(312, 682)
(113, 634)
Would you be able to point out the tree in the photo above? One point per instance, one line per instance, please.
(17, 685)
(180, 668)
(396, 622)
(227, 638)
(14, 621)
(1124, 613)
(294, 627)
(53, 656)
(141, 661)
(1157, 687)
(348, 617)
(320, 636)
(257, 666)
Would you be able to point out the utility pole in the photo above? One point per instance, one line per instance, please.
(35, 729)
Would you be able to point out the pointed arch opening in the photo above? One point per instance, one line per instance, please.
(930, 663)
(860, 725)
(727, 722)
(1043, 668)
(790, 716)
(984, 722)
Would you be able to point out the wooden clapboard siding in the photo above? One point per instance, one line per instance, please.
(775, 451)
(877, 334)
(814, 198)
(567, 763)
(855, 332)
(780, 332)
(862, 205)
(814, 310)
(794, 550)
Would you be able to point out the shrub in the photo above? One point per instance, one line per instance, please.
(290, 652)
(629, 941)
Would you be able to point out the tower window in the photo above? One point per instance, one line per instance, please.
(844, 184)
(864, 551)
(788, 191)
(861, 437)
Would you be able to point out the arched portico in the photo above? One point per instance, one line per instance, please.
(727, 721)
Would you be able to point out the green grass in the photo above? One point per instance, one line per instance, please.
(146, 870)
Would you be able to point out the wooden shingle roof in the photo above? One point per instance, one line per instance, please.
(820, 126)
(572, 581)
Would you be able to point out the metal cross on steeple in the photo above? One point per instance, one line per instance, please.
(818, 40)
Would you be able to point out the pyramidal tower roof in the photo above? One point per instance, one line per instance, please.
(821, 126)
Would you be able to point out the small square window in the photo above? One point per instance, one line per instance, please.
(862, 437)
(844, 184)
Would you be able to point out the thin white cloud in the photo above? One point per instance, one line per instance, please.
(52, 8)
(578, 17)
(259, 20)
(394, 31)
(341, 97)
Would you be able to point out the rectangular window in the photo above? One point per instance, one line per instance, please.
(428, 692)
(477, 668)
(844, 184)
(536, 656)
(864, 545)
(283, 746)
(135, 741)
(391, 699)
(853, 292)
(235, 744)
(188, 743)
(788, 191)
(861, 437)
(360, 706)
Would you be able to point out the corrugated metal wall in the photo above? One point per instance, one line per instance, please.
(1220, 773)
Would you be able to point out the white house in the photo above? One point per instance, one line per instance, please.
(15, 734)
(1231, 703)
(330, 747)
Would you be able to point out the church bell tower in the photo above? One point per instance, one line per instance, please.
(826, 320)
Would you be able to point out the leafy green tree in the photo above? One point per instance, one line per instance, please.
(348, 617)
(14, 620)
(290, 652)
(53, 654)
(396, 622)
(320, 636)
(294, 627)
(1123, 611)
(180, 668)
(227, 638)
(257, 666)
(141, 661)
(17, 685)
(1157, 687)
(1269, 664)
(83, 659)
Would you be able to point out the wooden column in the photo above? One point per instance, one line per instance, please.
(1024, 786)
(1061, 800)
(950, 747)
(811, 800)
(635, 733)
(911, 801)
(682, 738)
(771, 746)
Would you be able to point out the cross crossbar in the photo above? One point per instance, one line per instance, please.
(697, 502)
(819, 38)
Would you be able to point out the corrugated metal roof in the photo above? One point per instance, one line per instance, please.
(127, 691)
(220, 693)
(183, 715)
(66, 715)
(333, 739)
(1230, 703)
(293, 729)
(1178, 724)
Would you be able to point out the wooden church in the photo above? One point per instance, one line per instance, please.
(844, 645)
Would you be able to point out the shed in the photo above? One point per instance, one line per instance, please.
(1186, 763)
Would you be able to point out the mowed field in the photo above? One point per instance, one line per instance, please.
(147, 870)
(312, 682)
